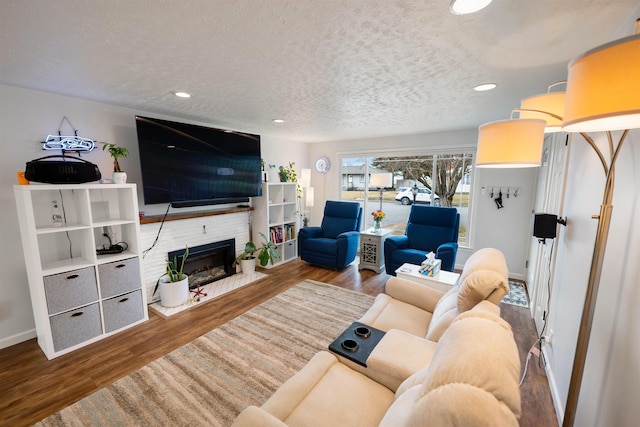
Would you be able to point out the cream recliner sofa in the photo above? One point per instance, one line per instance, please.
(471, 379)
(427, 312)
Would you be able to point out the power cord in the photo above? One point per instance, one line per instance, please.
(64, 217)
(144, 254)
(535, 351)
(112, 248)
(541, 337)
(536, 348)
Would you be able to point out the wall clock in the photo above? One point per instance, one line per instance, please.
(322, 164)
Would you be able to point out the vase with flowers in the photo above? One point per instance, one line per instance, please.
(377, 220)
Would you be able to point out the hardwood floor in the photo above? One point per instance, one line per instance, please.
(32, 387)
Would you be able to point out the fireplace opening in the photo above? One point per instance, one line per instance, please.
(207, 263)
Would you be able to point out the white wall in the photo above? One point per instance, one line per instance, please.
(611, 384)
(26, 118)
(506, 229)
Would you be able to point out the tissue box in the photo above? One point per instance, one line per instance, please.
(430, 269)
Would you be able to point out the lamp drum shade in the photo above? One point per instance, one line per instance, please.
(515, 143)
(305, 178)
(603, 88)
(381, 180)
(309, 197)
(551, 102)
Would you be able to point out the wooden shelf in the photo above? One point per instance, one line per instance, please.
(176, 217)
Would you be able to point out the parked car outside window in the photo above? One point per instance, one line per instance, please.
(405, 196)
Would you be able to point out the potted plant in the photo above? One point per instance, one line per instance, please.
(267, 253)
(119, 176)
(173, 284)
(288, 174)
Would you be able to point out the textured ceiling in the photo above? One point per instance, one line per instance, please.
(332, 69)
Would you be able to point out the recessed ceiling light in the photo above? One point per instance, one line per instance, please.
(484, 87)
(278, 121)
(463, 7)
(182, 94)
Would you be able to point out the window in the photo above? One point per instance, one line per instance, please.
(440, 179)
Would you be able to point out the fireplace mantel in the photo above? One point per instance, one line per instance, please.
(176, 216)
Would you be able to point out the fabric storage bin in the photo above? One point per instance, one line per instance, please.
(72, 289)
(76, 326)
(122, 311)
(119, 277)
(289, 250)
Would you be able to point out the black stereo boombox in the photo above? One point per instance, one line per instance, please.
(69, 170)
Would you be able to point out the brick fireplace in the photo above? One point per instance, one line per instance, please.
(192, 232)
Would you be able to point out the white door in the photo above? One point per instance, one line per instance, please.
(549, 198)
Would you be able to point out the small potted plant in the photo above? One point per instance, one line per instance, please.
(119, 176)
(173, 284)
(288, 174)
(267, 253)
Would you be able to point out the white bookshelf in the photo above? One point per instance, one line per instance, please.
(276, 215)
(79, 297)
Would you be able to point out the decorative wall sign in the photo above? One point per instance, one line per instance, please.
(68, 142)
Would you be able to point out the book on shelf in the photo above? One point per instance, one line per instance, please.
(290, 231)
(276, 234)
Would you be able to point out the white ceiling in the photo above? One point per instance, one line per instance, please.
(333, 69)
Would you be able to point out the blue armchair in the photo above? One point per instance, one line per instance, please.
(429, 229)
(335, 243)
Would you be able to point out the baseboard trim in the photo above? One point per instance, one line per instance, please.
(558, 405)
(17, 338)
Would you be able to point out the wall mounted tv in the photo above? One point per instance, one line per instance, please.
(189, 165)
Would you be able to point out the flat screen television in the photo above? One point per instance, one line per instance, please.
(190, 165)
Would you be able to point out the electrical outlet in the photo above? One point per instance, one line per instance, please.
(548, 337)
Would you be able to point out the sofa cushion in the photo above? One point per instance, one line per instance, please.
(253, 416)
(326, 392)
(472, 378)
(397, 356)
(446, 310)
(485, 276)
(399, 413)
(424, 297)
(454, 404)
(478, 349)
(389, 313)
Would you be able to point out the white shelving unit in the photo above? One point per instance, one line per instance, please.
(275, 215)
(79, 297)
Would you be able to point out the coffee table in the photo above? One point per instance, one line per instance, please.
(442, 281)
(357, 342)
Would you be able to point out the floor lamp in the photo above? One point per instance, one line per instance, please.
(308, 203)
(602, 95)
(381, 180)
(306, 195)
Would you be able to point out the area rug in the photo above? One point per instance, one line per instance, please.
(213, 378)
(517, 295)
